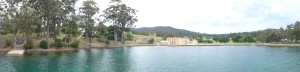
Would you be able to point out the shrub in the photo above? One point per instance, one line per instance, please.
(151, 41)
(107, 42)
(7, 43)
(210, 41)
(58, 43)
(129, 36)
(74, 44)
(207, 41)
(44, 44)
(28, 44)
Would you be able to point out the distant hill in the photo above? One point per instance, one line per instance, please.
(164, 31)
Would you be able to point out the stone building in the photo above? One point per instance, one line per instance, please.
(181, 41)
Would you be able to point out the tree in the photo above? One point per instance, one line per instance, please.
(101, 30)
(69, 18)
(49, 11)
(217, 38)
(87, 11)
(199, 38)
(236, 38)
(129, 36)
(151, 41)
(121, 16)
(11, 16)
(248, 39)
(224, 39)
(296, 31)
(29, 20)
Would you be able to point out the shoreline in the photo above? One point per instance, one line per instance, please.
(134, 45)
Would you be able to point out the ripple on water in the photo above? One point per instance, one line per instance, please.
(160, 59)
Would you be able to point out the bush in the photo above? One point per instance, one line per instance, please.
(7, 43)
(129, 36)
(207, 41)
(28, 45)
(74, 44)
(107, 42)
(210, 41)
(151, 41)
(58, 43)
(44, 44)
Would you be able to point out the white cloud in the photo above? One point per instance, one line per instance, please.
(214, 16)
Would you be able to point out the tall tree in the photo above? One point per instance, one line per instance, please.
(68, 17)
(296, 31)
(122, 17)
(11, 16)
(29, 20)
(87, 11)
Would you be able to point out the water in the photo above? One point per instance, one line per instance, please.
(159, 59)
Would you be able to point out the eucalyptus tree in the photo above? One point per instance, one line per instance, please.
(296, 31)
(122, 17)
(43, 7)
(88, 10)
(4, 22)
(51, 15)
(11, 14)
(288, 32)
(100, 30)
(29, 20)
(69, 17)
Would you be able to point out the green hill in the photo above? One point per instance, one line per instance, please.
(164, 31)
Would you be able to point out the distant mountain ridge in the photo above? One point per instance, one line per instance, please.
(164, 31)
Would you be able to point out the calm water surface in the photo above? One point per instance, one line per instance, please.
(159, 59)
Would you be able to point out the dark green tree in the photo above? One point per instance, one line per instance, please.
(87, 11)
(236, 38)
(121, 16)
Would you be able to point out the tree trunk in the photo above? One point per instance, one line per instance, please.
(47, 27)
(25, 38)
(122, 37)
(90, 41)
(15, 36)
(86, 37)
(115, 37)
(66, 37)
(68, 32)
(122, 34)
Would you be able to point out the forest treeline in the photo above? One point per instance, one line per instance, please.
(48, 19)
(289, 34)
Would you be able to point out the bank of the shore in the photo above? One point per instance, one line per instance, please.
(132, 45)
(284, 45)
(5, 49)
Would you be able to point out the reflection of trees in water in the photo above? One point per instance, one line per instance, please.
(89, 60)
(292, 49)
(93, 60)
(120, 60)
(282, 50)
(37, 62)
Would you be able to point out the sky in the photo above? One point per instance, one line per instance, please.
(213, 16)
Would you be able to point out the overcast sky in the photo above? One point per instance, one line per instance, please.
(214, 16)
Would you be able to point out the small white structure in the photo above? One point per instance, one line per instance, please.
(16, 52)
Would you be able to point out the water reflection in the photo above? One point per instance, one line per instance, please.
(158, 59)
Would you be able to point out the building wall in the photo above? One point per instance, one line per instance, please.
(179, 41)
